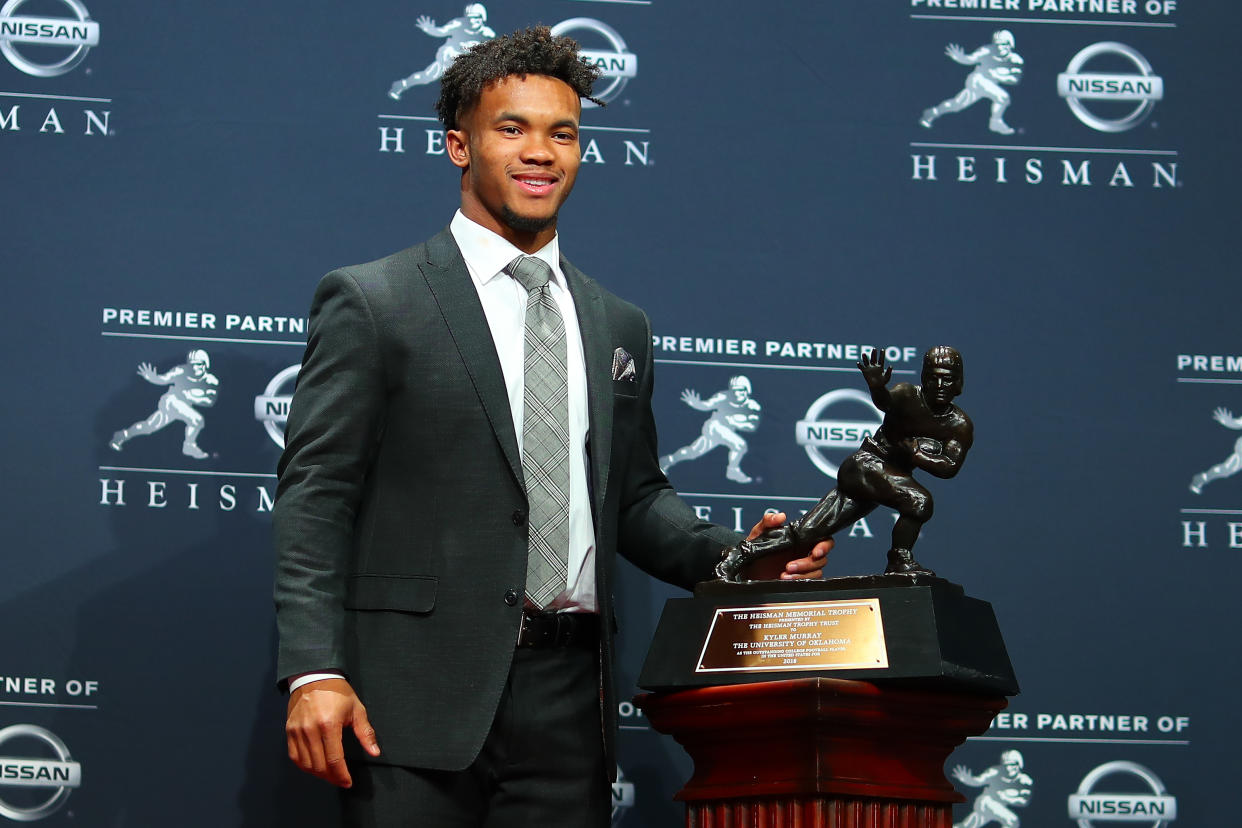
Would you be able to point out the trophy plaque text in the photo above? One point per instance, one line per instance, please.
(828, 635)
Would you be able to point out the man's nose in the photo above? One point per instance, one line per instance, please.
(537, 150)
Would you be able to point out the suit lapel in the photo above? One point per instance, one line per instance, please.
(597, 350)
(458, 301)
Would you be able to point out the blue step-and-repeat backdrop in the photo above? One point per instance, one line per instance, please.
(1049, 185)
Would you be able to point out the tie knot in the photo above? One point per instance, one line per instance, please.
(532, 273)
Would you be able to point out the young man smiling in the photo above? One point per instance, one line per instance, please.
(470, 445)
(519, 155)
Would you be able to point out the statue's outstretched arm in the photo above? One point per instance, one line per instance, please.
(877, 375)
(1225, 417)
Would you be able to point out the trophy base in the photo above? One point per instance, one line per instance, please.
(916, 631)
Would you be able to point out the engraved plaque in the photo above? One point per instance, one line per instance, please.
(827, 635)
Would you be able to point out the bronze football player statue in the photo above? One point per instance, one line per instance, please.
(922, 429)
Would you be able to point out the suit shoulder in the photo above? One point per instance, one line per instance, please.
(618, 309)
(379, 273)
(627, 312)
(383, 285)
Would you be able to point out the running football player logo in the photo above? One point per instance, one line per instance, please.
(996, 64)
(459, 34)
(1231, 464)
(732, 410)
(190, 386)
(1005, 787)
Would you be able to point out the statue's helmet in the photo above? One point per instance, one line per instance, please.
(1004, 37)
(477, 10)
(942, 356)
(199, 356)
(1012, 757)
(739, 383)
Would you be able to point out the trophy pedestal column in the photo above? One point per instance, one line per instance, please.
(818, 752)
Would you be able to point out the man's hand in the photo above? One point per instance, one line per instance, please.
(812, 566)
(318, 712)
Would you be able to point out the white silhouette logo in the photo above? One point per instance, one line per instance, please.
(1077, 86)
(1231, 464)
(1005, 787)
(78, 33)
(996, 64)
(59, 775)
(190, 386)
(732, 411)
(459, 34)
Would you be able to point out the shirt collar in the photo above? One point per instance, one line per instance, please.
(487, 254)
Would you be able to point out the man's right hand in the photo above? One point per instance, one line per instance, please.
(318, 713)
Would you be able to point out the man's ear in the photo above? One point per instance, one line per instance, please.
(457, 142)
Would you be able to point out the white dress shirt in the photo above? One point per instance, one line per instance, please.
(504, 305)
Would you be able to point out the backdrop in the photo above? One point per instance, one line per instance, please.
(1044, 184)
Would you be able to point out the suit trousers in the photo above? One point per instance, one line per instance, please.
(541, 764)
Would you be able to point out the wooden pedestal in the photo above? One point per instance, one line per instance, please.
(818, 752)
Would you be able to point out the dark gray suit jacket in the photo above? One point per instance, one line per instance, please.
(400, 514)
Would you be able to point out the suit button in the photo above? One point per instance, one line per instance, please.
(511, 597)
(519, 517)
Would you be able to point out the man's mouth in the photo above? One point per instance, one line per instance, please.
(535, 184)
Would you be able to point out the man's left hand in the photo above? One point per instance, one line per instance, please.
(812, 566)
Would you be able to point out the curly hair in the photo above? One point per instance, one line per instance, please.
(533, 51)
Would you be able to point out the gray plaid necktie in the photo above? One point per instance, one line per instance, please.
(545, 434)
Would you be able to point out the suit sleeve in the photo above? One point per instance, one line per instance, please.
(335, 421)
(658, 531)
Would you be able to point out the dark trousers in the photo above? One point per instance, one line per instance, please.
(541, 765)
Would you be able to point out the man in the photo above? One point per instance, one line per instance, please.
(189, 386)
(460, 34)
(922, 429)
(1005, 786)
(995, 64)
(732, 411)
(449, 394)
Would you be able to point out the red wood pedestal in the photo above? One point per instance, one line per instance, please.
(818, 752)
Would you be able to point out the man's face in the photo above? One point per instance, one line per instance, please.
(518, 149)
(198, 368)
(941, 384)
(740, 394)
(1012, 769)
(475, 20)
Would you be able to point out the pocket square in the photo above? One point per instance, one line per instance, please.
(623, 366)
